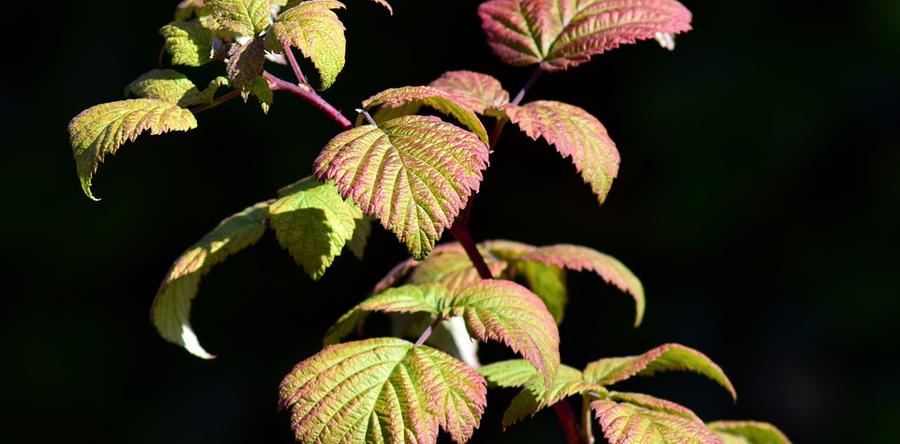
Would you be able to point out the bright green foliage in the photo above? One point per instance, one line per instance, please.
(428, 96)
(172, 306)
(666, 357)
(385, 391)
(242, 17)
(575, 134)
(624, 422)
(244, 64)
(493, 310)
(313, 222)
(317, 32)
(100, 130)
(413, 173)
(168, 85)
(480, 92)
(189, 43)
(748, 432)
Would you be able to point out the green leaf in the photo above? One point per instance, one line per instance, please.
(189, 43)
(244, 64)
(172, 307)
(494, 310)
(668, 357)
(578, 258)
(100, 130)
(546, 281)
(557, 34)
(428, 96)
(317, 32)
(242, 17)
(263, 93)
(629, 423)
(382, 390)
(165, 84)
(575, 134)
(654, 403)
(413, 173)
(313, 222)
(509, 374)
(748, 432)
(357, 243)
(477, 91)
(452, 268)
(187, 9)
(209, 93)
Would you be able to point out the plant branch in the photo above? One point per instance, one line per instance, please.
(460, 230)
(569, 422)
(218, 101)
(309, 95)
(427, 333)
(528, 85)
(289, 54)
(587, 434)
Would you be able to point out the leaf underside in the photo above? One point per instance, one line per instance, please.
(317, 32)
(382, 390)
(413, 173)
(172, 305)
(559, 34)
(100, 130)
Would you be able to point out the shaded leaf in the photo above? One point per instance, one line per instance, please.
(209, 93)
(317, 32)
(668, 357)
(382, 390)
(654, 403)
(164, 84)
(748, 432)
(453, 269)
(172, 306)
(242, 17)
(263, 93)
(244, 64)
(559, 34)
(357, 243)
(546, 281)
(413, 173)
(477, 91)
(428, 96)
(494, 310)
(628, 423)
(575, 134)
(189, 43)
(578, 258)
(100, 130)
(313, 222)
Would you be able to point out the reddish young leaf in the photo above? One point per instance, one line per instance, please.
(578, 258)
(425, 95)
(475, 90)
(559, 34)
(654, 403)
(575, 134)
(666, 357)
(626, 423)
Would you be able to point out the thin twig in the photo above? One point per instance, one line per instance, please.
(567, 419)
(307, 93)
(428, 331)
(294, 65)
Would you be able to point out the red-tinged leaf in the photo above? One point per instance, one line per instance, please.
(413, 173)
(577, 258)
(558, 34)
(453, 269)
(477, 91)
(748, 432)
(626, 423)
(668, 357)
(654, 403)
(494, 310)
(575, 134)
(428, 96)
(400, 271)
(382, 390)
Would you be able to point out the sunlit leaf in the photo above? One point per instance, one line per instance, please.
(165, 84)
(626, 423)
(100, 130)
(242, 17)
(172, 307)
(189, 43)
(748, 432)
(558, 34)
(477, 91)
(413, 173)
(428, 96)
(453, 269)
(317, 32)
(382, 390)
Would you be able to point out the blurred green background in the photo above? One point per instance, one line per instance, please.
(757, 201)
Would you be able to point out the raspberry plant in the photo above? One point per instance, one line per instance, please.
(416, 174)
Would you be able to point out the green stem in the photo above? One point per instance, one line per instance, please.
(587, 420)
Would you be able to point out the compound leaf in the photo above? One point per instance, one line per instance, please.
(748, 432)
(382, 390)
(578, 258)
(623, 422)
(189, 43)
(475, 90)
(313, 222)
(165, 84)
(317, 32)
(575, 134)
(100, 130)
(414, 173)
(429, 96)
(558, 34)
(172, 306)
(242, 17)
(668, 357)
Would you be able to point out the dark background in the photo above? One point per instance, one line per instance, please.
(757, 201)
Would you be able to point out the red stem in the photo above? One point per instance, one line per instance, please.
(294, 65)
(310, 96)
(569, 422)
